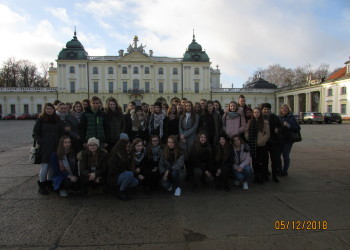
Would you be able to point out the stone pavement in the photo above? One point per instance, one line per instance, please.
(317, 189)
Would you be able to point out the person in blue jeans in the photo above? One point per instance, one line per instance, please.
(242, 160)
(170, 164)
(120, 178)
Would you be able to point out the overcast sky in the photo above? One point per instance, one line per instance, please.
(239, 36)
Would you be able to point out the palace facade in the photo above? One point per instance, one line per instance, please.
(137, 75)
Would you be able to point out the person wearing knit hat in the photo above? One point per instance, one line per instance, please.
(124, 136)
(94, 140)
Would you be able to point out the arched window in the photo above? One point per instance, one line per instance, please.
(71, 70)
(160, 71)
(136, 70)
(196, 71)
(110, 70)
(94, 70)
(136, 84)
(125, 70)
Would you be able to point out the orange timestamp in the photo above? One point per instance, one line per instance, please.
(301, 225)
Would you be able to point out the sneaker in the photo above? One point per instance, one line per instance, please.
(177, 191)
(245, 185)
(63, 193)
(236, 182)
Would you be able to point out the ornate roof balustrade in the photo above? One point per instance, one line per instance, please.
(28, 89)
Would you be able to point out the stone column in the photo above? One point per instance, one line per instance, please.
(296, 104)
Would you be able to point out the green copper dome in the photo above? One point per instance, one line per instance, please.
(74, 50)
(195, 53)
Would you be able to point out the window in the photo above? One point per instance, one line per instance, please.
(343, 109)
(110, 70)
(329, 108)
(196, 87)
(13, 108)
(125, 87)
(0, 109)
(72, 87)
(95, 87)
(161, 90)
(174, 71)
(124, 70)
(39, 108)
(175, 87)
(160, 71)
(146, 70)
(146, 87)
(136, 70)
(196, 71)
(110, 87)
(94, 70)
(330, 92)
(136, 84)
(71, 70)
(343, 90)
(26, 108)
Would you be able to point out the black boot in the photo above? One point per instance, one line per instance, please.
(42, 188)
(49, 186)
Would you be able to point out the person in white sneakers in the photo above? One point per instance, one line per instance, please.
(241, 165)
(170, 164)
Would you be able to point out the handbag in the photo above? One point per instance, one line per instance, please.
(35, 154)
(294, 136)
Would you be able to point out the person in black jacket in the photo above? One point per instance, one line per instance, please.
(173, 117)
(274, 145)
(223, 160)
(158, 124)
(120, 177)
(201, 159)
(93, 166)
(46, 132)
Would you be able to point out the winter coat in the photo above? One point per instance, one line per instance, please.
(47, 136)
(202, 158)
(85, 163)
(214, 131)
(243, 160)
(233, 126)
(115, 125)
(263, 136)
(116, 166)
(223, 163)
(274, 122)
(293, 126)
(153, 131)
(92, 125)
(166, 165)
(59, 175)
(189, 131)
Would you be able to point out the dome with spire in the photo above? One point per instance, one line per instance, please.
(195, 53)
(74, 50)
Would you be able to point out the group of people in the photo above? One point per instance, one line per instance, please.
(87, 146)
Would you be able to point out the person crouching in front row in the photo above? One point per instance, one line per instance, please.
(120, 177)
(93, 166)
(65, 167)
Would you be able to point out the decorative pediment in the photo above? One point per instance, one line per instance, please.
(135, 57)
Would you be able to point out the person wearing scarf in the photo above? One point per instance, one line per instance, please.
(138, 124)
(233, 121)
(158, 124)
(257, 134)
(173, 117)
(65, 167)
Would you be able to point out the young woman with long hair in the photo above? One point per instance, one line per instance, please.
(170, 164)
(120, 176)
(223, 161)
(47, 131)
(257, 134)
(288, 124)
(210, 122)
(173, 118)
(78, 110)
(233, 120)
(141, 164)
(201, 160)
(115, 123)
(242, 160)
(65, 167)
(139, 124)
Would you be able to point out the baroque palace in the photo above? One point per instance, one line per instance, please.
(134, 75)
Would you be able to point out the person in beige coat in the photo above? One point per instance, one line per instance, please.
(257, 134)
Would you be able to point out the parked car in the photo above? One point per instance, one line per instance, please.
(34, 116)
(24, 116)
(9, 117)
(311, 117)
(298, 119)
(332, 117)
